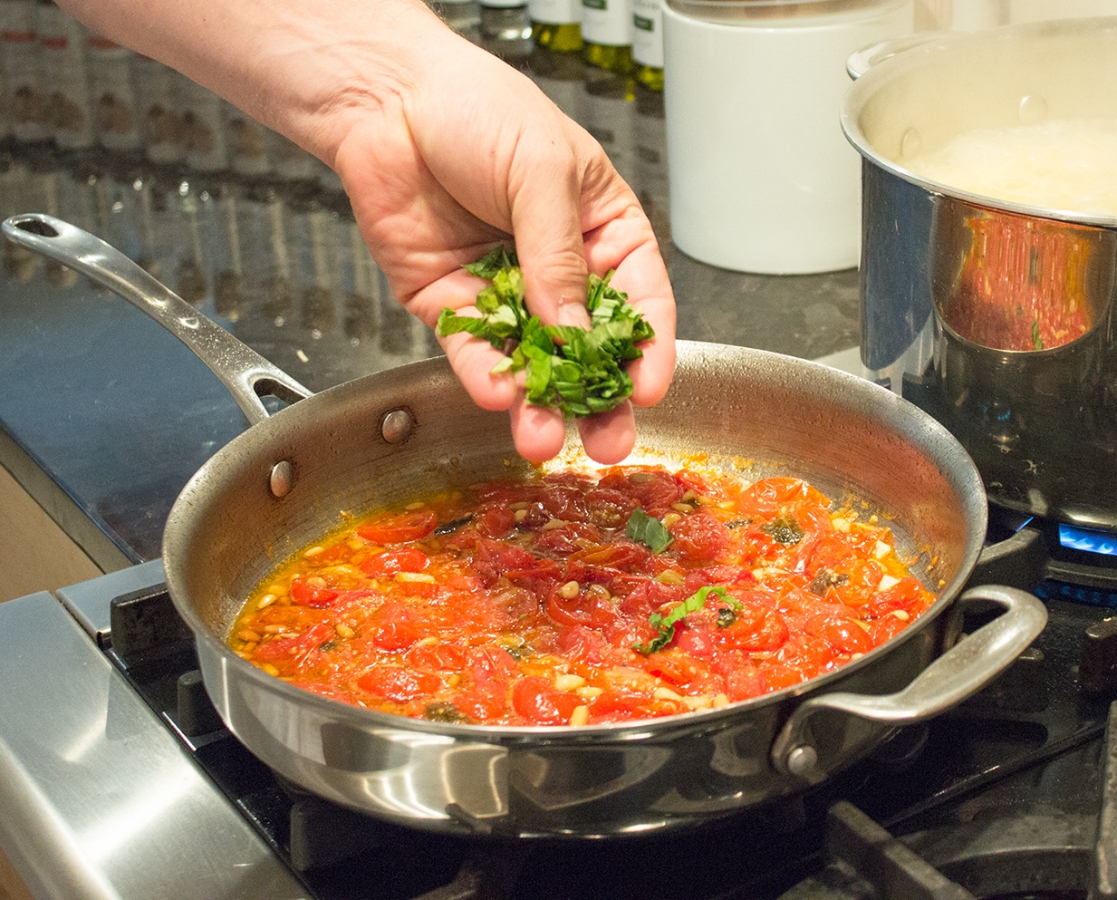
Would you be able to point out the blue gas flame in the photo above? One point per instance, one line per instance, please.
(1088, 540)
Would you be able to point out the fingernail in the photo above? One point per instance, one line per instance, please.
(573, 314)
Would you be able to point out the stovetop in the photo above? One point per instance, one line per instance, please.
(1006, 795)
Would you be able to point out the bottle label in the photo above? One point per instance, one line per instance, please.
(647, 33)
(607, 22)
(555, 12)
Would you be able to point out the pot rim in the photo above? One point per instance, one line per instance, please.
(933, 52)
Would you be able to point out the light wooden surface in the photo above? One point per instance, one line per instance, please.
(35, 554)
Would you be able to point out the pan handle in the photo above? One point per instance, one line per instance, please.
(958, 673)
(246, 374)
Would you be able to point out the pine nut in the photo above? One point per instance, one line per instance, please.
(569, 682)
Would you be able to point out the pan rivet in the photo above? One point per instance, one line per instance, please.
(282, 478)
(396, 426)
(801, 761)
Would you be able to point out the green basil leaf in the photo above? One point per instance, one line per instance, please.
(665, 625)
(648, 530)
(576, 370)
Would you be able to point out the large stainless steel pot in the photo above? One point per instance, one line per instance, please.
(380, 439)
(944, 272)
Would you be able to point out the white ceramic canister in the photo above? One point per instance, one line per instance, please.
(761, 177)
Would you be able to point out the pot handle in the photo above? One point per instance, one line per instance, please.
(246, 374)
(958, 673)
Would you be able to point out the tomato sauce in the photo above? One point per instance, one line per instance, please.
(576, 598)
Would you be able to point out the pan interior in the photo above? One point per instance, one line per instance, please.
(749, 411)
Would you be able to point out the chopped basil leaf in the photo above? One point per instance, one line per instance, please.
(578, 371)
(726, 616)
(665, 625)
(785, 530)
(647, 530)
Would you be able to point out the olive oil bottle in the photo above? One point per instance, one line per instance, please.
(556, 24)
(607, 32)
(647, 43)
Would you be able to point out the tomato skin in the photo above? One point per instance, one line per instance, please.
(841, 632)
(584, 609)
(437, 658)
(861, 586)
(583, 644)
(492, 559)
(541, 703)
(288, 654)
(754, 628)
(699, 537)
(306, 594)
(741, 678)
(408, 526)
(393, 628)
(390, 562)
(699, 643)
(397, 683)
(481, 703)
(566, 539)
(675, 668)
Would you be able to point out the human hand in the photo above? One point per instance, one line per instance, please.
(445, 151)
(470, 155)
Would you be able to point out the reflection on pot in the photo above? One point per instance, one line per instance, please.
(1024, 283)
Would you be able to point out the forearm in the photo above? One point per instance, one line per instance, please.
(344, 55)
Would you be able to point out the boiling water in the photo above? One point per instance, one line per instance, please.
(1068, 165)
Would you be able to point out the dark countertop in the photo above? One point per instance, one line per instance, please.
(104, 416)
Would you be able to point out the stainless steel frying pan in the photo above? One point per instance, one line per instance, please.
(383, 438)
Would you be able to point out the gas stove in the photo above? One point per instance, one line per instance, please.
(119, 780)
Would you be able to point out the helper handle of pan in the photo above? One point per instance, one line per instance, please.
(247, 375)
(966, 667)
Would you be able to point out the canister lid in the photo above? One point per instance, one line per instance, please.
(773, 13)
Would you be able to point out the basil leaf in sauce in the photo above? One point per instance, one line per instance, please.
(573, 369)
(648, 530)
(665, 625)
(784, 530)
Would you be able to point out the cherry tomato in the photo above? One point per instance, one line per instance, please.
(307, 594)
(397, 683)
(482, 703)
(676, 668)
(583, 609)
(698, 537)
(494, 521)
(408, 526)
(390, 562)
(541, 703)
(841, 632)
(579, 643)
(437, 657)
(754, 628)
(290, 648)
(393, 627)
